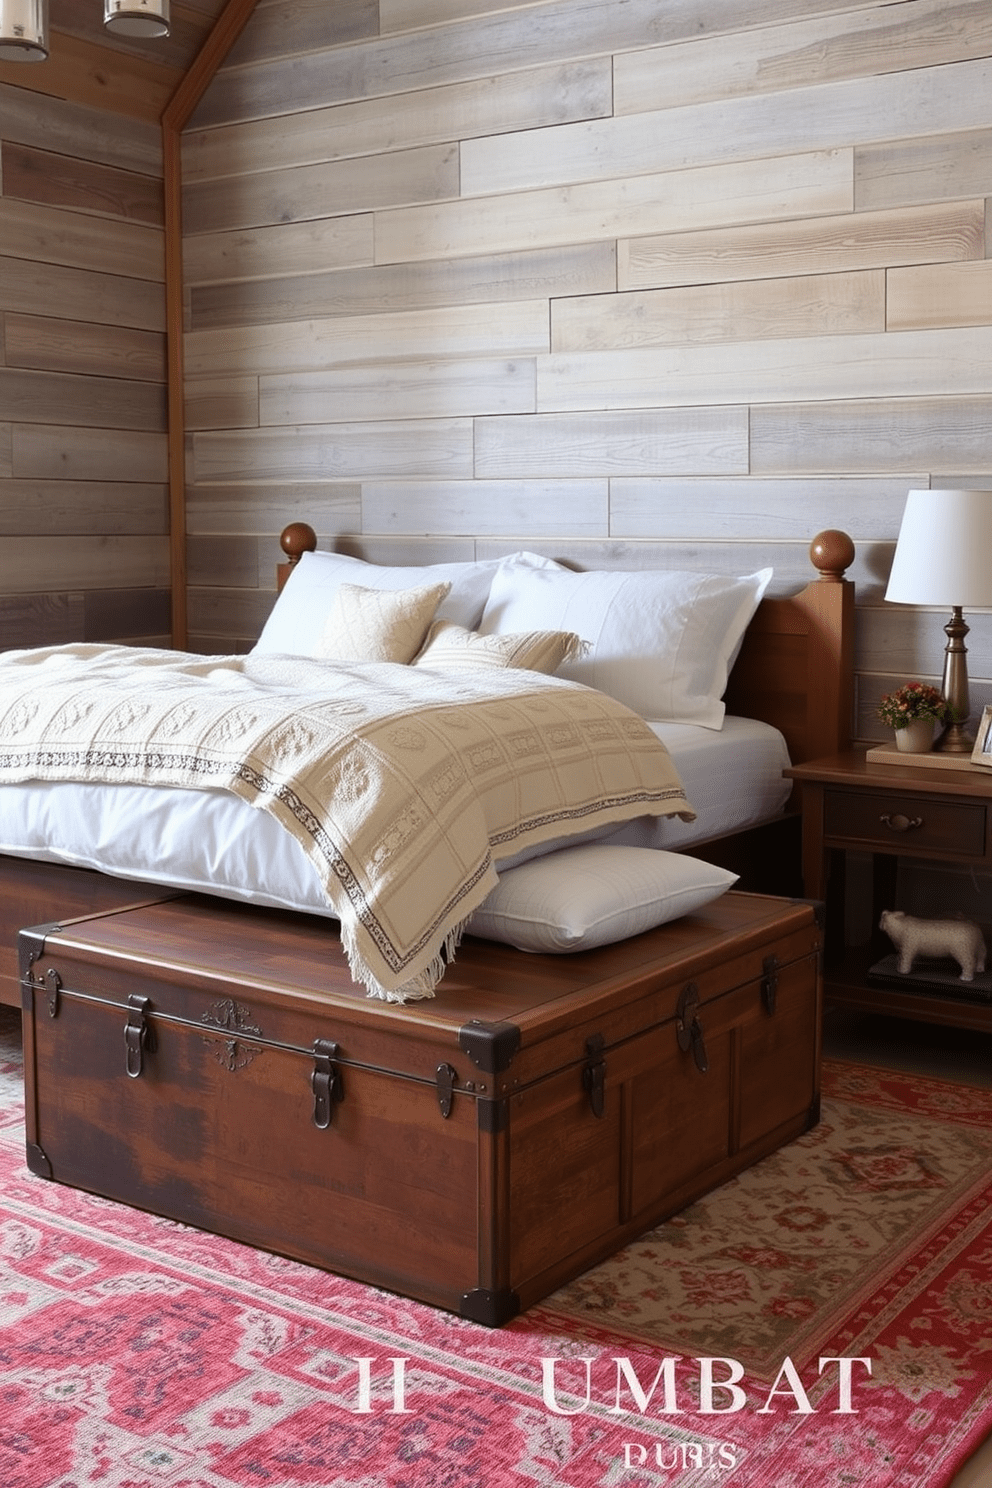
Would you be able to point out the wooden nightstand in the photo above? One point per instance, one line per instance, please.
(890, 812)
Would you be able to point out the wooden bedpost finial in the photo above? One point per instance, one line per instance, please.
(831, 552)
(296, 539)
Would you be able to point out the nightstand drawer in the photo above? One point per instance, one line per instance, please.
(905, 823)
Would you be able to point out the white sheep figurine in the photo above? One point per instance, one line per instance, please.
(960, 939)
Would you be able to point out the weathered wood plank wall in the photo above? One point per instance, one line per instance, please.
(628, 284)
(84, 546)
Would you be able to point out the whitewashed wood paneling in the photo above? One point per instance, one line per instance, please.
(887, 434)
(711, 441)
(930, 101)
(939, 168)
(534, 99)
(440, 284)
(803, 52)
(485, 508)
(807, 305)
(333, 510)
(222, 403)
(786, 186)
(788, 508)
(955, 295)
(936, 233)
(459, 331)
(907, 364)
(311, 192)
(507, 41)
(408, 390)
(289, 249)
(752, 282)
(346, 451)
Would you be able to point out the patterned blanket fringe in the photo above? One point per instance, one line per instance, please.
(423, 985)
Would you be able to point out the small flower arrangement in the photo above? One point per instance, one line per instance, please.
(914, 700)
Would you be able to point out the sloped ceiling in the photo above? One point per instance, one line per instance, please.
(88, 65)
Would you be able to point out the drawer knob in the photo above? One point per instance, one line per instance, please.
(900, 823)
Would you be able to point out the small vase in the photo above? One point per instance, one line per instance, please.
(915, 737)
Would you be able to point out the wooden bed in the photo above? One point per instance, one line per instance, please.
(216, 1063)
(795, 671)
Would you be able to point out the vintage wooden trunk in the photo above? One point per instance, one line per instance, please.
(215, 1064)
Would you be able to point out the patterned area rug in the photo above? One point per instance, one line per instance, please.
(138, 1353)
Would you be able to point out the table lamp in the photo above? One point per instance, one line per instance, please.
(944, 557)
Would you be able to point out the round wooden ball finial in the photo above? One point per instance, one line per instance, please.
(296, 539)
(832, 552)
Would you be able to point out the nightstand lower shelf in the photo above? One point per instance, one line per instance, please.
(938, 817)
(849, 984)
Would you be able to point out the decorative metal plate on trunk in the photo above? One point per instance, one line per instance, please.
(231, 1018)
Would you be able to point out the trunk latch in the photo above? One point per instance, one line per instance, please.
(687, 1028)
(594, 1074)
(139, 1037)
(326, 1082)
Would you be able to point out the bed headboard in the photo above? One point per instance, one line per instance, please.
(796, 666)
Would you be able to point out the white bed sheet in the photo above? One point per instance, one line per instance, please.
(213, 842)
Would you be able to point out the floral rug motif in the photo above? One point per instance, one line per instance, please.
(138, 1353)
(770, 1263)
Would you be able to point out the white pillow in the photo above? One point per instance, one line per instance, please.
(594, 895)
(297, 620)
(450, 645)
(660, 642)
(379, 624)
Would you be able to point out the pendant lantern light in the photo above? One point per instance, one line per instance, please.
(24, 24)
(137, 17)
(23, 30)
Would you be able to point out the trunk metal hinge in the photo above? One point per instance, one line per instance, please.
(687, 1027)
(325, 1081)
(446, 1079)
(769, 982)
(139, 1036)
(594, 1074)
(54, 988)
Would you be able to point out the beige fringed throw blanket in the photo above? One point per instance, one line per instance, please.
(399, 783)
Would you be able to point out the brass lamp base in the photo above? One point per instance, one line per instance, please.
(955, 739)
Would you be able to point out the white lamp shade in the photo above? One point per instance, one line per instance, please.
(137, 17)
(23, 30)
(944, 553)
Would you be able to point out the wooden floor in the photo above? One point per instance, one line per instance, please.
(949, 1054)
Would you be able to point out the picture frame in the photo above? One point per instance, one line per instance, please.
(982, 752)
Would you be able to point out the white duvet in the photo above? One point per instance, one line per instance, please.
(210, 841)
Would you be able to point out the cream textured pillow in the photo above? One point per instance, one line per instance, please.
(449, 645)
(593, 895)
(298, 616)
(379, 624)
